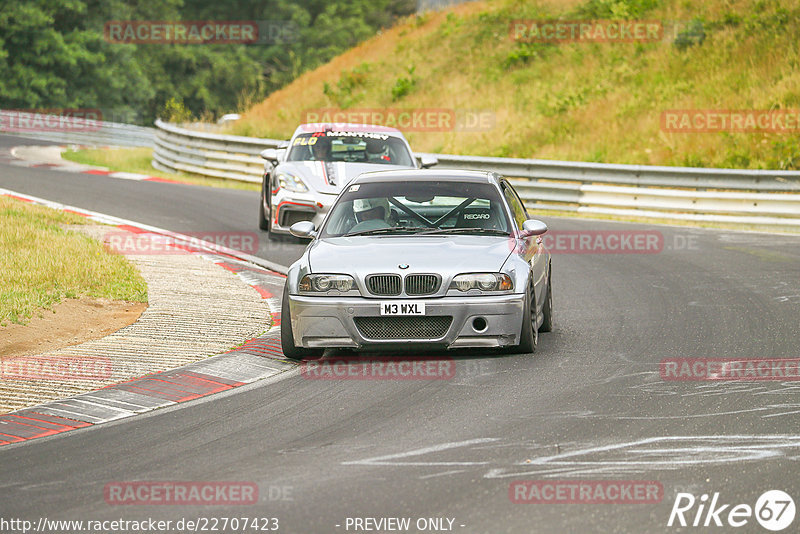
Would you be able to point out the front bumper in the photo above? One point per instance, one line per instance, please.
(477, 321)
(289, 208)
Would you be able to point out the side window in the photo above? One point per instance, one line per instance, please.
(517, 209)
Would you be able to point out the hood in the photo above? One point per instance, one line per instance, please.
(331, 177)
(446, 255)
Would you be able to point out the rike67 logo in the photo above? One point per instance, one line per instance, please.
(774, 510)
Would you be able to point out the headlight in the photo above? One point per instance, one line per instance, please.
(483, 282)
(291, 182)
(322, 283)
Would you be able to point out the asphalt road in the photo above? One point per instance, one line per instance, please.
(589, 405)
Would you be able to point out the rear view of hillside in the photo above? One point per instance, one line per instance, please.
(585, 101)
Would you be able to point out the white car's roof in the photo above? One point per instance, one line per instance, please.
(346, 127)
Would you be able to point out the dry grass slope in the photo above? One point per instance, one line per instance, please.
(578, 101)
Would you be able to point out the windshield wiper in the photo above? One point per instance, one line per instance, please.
(389, 230)
(491, 231)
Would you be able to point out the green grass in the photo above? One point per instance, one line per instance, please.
(42, 263)
(598, 102)
(138, 160)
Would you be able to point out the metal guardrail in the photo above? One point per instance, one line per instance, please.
(687, 193)
(101, 133)
(213, 155)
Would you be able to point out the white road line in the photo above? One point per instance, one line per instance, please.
(384, 460)
(708, 450)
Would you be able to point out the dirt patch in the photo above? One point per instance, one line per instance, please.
(70, 322)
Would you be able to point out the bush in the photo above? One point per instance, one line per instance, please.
(175, 111)
(694, 34)
(404, 85)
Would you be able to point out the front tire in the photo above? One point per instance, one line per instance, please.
(529, 336)
(263, 220)
(290, 350)
(547, 311)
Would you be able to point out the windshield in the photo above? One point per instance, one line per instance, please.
(359, 147)
(415, 207)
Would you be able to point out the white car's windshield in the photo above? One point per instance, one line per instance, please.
(354, 147)
(429, 207)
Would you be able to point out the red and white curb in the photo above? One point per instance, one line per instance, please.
(255, 360)
(69, 166)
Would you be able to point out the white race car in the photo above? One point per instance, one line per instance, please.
(303, 178)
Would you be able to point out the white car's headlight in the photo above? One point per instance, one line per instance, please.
(483, 282)
(322, 283)
(291, 182)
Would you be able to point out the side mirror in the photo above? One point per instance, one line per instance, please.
(270, 154)
(304, 229)
(273, 155)
(533, 227)
(427, 160)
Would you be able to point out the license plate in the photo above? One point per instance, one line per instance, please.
(402, 308)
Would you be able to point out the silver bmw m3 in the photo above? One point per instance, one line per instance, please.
(419, 258)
